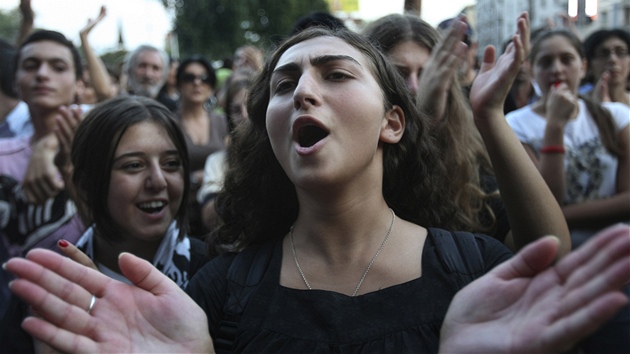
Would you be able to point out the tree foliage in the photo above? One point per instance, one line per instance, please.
(215, 28)
(10, 24)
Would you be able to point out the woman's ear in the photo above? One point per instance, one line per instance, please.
(393, 125)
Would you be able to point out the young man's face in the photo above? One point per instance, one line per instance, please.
(46, 75)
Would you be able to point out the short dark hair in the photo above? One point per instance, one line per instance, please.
(317, 19)
(53, 36)
(197, 59)
(7, 68)
(93, 151)
(595, 39)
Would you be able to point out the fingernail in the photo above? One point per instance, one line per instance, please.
(4, 265)
(62, 243)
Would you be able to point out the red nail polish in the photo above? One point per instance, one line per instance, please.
(62, 243)
(556, 84)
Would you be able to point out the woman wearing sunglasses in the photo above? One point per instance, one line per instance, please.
(205, 131)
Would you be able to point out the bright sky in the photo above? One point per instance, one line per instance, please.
(146, 21)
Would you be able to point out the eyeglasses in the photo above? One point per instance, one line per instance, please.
(606, 53)
(188, 78)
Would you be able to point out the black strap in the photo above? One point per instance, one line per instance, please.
(244, 275)
(460, 254)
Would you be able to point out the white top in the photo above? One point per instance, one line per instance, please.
(590, 170)
(214, 174)
(17, 122)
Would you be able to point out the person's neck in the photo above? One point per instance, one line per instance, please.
(342, 232)
(106, 251)
(618, 93)
(7, 104)
(193, 112)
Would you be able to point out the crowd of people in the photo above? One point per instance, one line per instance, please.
(371, 191)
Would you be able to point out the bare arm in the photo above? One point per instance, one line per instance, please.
(28, 18)
(98, 73)
(531, 208)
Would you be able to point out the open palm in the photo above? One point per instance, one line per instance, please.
(526, 306)
(153, 316)
(493, 82)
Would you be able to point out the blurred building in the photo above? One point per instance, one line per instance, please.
(496, 19)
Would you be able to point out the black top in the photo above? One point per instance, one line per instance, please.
(401, 318)
(488, 183)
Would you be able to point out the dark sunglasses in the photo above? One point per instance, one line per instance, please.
(188, 78)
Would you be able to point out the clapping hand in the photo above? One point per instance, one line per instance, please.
(440, 71)
(493, 82)
(527, 305)
(155, 315)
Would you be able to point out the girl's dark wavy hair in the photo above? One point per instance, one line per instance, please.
(93, 151)
(459, 142)
(259, 202)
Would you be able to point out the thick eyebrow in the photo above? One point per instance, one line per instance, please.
(140, 154)
(317, 61)
(325, 59)
(53, 60)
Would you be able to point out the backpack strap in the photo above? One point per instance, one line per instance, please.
(459, 253)
(244, 275)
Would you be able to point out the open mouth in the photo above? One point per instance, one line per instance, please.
(152, 207)
(309, 135)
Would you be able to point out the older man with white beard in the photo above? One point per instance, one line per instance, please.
(146, 69)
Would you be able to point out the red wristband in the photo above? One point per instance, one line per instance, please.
(552, 149)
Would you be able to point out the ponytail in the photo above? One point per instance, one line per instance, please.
(604, 121)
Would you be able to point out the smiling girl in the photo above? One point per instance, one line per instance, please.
(130, 163)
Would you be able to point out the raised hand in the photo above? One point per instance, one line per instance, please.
(47, 167)
(600, 90)
(561, 105)
(26, 10)
(42, 179)
(153, 316)
(68, 122)
(440, 71)
(93, 22)
(494, 80)
(525, 305)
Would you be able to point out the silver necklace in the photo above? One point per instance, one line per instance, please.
(356, 290)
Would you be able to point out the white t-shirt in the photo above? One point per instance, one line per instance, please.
(590, 170)
(214, 174)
